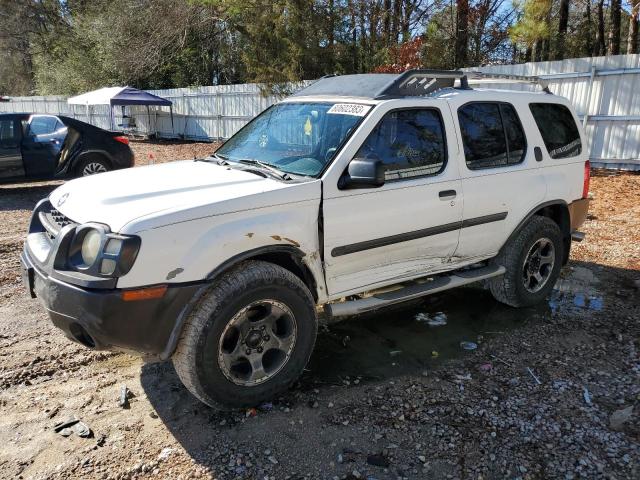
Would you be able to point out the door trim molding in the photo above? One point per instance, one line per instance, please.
(416, 234)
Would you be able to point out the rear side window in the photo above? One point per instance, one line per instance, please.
(558, 129)
(410, 143)
(492, 135)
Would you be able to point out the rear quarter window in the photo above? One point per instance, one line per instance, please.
(558, 129)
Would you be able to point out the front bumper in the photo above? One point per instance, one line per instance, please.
(101, 319)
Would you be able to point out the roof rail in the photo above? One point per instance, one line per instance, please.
(474, 75)
(422, 82)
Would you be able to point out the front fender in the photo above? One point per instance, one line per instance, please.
(190, 251)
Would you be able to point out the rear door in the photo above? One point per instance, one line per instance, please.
(41, 146)
(10, 155)
(500, 175)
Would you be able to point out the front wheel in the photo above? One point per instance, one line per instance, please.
(533, 261)
(249, 338)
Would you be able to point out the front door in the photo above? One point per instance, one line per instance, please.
(10, 156)
(408, 227)
(41, 146)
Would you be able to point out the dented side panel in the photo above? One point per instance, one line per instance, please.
(190, 251)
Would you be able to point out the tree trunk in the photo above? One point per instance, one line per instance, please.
(614, 33)
(632, 39)
(563, 22)
(462, 32)
(588, 45)
(386, 15)
(600, 48)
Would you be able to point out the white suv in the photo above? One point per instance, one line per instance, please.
(358, 192)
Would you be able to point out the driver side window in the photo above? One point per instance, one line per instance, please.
(410, 143)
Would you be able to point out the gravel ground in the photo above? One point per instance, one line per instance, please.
(550, 392)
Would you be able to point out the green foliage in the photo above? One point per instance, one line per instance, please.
(71, 46)
(534, 22)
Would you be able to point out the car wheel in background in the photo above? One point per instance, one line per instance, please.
(92, 165)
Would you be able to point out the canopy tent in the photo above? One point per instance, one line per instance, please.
(122, 96)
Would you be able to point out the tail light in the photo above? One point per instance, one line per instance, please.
(122, 139)
(587, 177)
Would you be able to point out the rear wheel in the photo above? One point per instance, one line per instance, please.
(533, 261)
(92, 165)
(249, 338)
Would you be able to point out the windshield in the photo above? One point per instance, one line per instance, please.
(297, 138)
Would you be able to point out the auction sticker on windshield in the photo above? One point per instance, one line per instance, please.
(350, 109)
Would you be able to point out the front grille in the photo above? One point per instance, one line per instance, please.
(60, 219)
(53, 221)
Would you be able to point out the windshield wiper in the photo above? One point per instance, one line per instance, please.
(214, 158)
(265, 166)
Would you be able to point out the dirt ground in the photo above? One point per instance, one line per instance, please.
(551, 391)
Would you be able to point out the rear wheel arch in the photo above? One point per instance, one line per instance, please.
(556, 210)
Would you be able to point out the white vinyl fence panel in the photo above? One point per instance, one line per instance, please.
(604, 89)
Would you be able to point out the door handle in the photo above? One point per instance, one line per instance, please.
(537, 152)
(447, 194)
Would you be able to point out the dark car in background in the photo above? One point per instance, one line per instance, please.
(42, 146)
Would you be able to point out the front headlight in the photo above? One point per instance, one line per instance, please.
(96, 251)
(91, 247)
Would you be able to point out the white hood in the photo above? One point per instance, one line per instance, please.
(151, 196)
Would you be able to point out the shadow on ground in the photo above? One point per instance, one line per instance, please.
(389, 344)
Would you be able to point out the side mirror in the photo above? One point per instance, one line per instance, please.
(362, 173)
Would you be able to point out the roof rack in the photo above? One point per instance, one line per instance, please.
(422, 82)
(474, 75)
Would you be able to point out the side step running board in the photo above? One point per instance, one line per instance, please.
(415, 290)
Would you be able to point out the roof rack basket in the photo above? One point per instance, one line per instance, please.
(509, 78)
(422, 82)
(425, 82)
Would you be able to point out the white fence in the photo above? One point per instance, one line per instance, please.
(604, 90)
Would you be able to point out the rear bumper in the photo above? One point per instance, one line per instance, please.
(101, 319)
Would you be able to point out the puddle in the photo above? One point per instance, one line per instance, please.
(415, 338)
(576, 290)
(397, 341)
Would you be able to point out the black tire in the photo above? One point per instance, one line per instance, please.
(511, 288)
(91, 165)
(196, 358)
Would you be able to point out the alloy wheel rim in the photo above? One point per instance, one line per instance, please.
(538, 265)
(257, 342)
(93, 168)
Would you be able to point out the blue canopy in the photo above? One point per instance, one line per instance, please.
(121, 96)
(133, 96)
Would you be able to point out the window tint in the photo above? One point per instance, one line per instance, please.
(558, 129)
(7, 131)
(491, 134)
(410, 143)
(42, 125)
